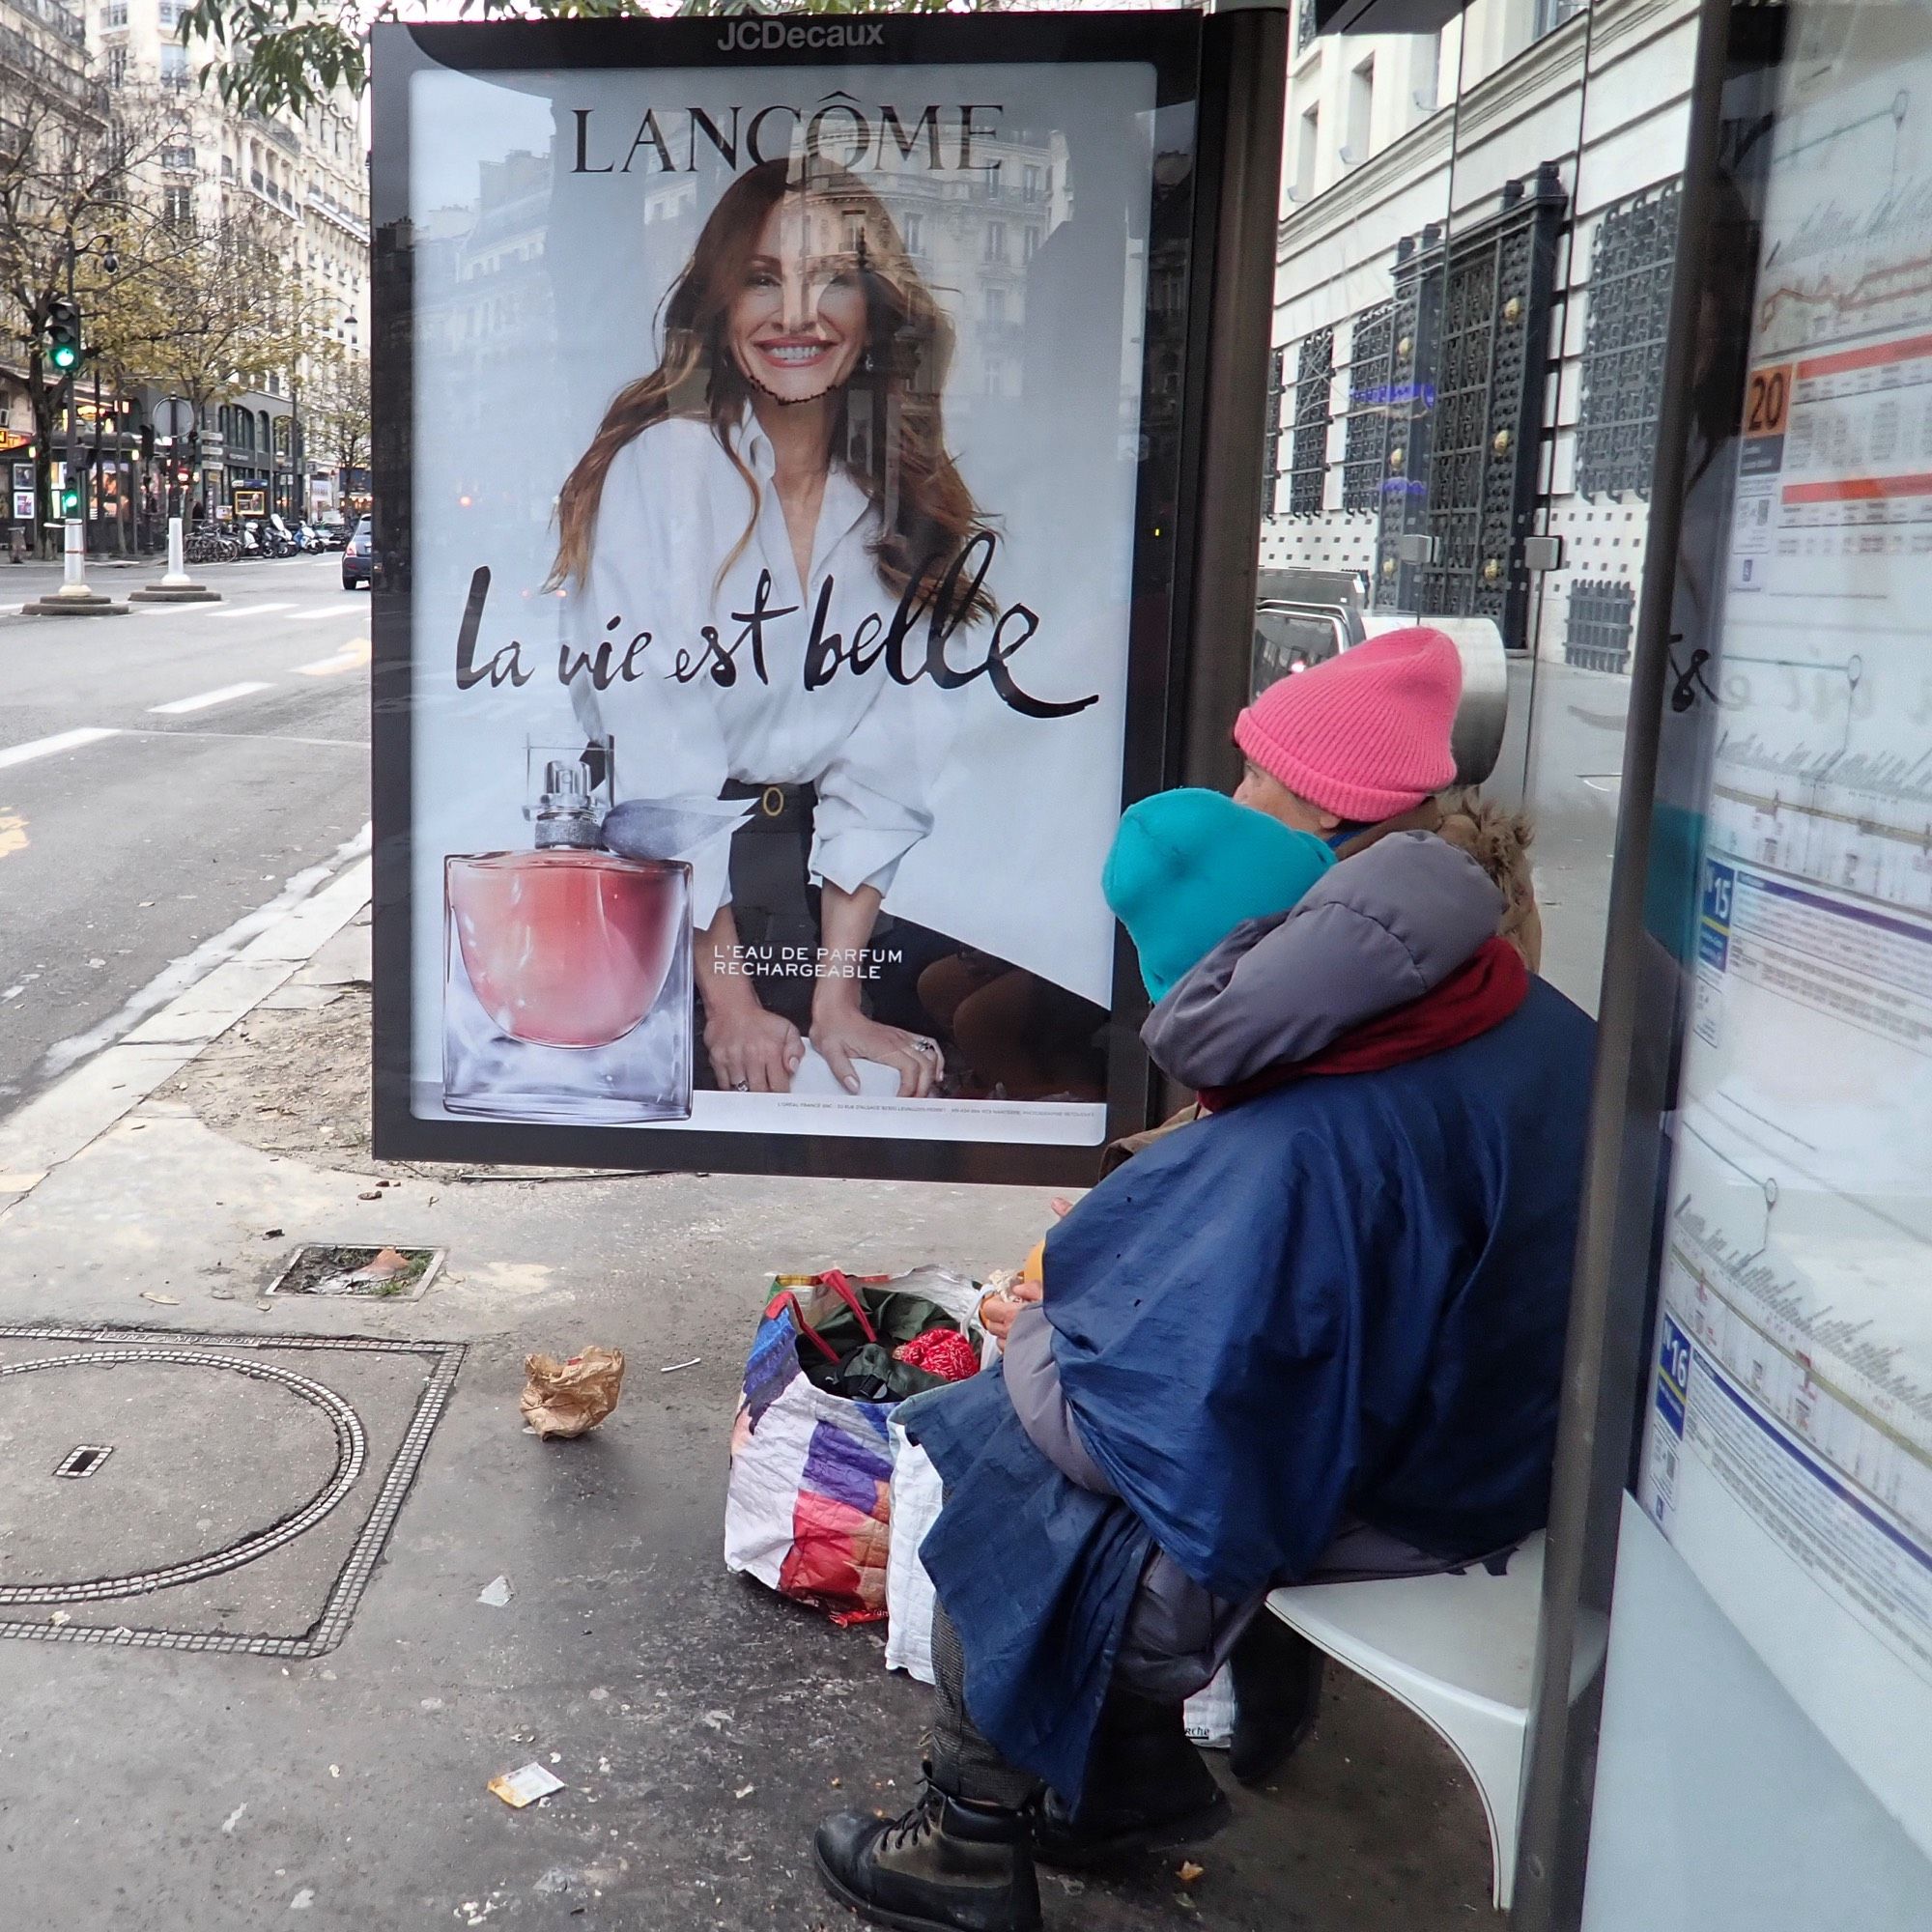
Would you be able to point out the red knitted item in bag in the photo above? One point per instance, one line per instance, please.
(941, 1352)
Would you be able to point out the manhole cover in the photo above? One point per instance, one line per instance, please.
(224, 1493)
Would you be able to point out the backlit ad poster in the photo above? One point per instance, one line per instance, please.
(774, 534)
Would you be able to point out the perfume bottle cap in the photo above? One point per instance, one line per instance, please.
(565, 814)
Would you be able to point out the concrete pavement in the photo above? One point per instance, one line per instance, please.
(699, 1725)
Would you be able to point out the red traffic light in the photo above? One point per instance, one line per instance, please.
(181, 472)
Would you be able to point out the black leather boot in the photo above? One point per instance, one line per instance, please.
(1147, 1790)
(1277, 1677)
(946, 1866)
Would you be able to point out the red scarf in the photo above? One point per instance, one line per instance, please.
(1477, 996)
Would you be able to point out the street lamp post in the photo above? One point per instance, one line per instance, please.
(73, 559)
(176, 586)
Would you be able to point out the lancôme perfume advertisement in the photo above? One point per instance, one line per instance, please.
(774, 534)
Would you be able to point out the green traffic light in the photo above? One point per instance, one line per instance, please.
(63, 357)
(70, 501)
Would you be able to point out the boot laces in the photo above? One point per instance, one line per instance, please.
(912, 1827)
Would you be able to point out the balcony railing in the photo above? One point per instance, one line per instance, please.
(284, 136)
(21, 56)
(64, 20)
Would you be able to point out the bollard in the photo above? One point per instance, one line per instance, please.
(177, 587)
(177, 575)
(73, 560)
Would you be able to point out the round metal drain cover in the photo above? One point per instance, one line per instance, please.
(213, 1461)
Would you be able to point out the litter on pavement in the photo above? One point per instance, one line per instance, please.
(527, 1786)
(571, 1398)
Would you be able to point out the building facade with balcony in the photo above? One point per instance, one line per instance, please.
(44, 75)
(306, 179)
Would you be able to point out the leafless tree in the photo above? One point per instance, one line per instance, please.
(72, 216)
(339, 417)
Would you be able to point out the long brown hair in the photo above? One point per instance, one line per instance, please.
(890, 433)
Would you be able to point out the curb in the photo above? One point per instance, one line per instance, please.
(81, 1106)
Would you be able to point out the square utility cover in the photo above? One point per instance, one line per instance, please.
(193, 1491)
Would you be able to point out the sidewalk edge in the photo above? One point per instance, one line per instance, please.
(78, 1108)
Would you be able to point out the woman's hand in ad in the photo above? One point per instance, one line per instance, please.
(844, 1033)
(840, 1028)
(752, 1051)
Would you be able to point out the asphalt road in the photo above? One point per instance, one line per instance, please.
(163, 777)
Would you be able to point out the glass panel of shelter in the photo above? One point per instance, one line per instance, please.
(1365, 199)
(1475, 259)
(1594, 502)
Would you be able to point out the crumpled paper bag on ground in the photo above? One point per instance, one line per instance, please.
(570, 1398)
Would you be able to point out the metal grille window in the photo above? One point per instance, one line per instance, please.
(1598, 636)
(1304, 24)
(1271, 436)
(1628, 315)
(1314, 387)
(1371, 398)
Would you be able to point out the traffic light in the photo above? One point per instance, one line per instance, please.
(69, 499)
(65, 347)
(147, 442)
(182, 472)
(194, 446)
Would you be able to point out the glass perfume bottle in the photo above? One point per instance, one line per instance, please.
(567, 992)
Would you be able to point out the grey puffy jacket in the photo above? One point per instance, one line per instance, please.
(1374, 933)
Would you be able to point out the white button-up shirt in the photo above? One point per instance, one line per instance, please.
(673, 509)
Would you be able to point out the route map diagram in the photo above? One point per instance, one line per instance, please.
(1789, 1447)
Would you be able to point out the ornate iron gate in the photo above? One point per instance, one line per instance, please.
(1468, 366)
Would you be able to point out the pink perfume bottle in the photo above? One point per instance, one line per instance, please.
(567, 991)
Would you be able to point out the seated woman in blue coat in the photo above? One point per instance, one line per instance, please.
(1317, 1333)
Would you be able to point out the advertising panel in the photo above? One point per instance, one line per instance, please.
(1789, 1451)
(775, 539)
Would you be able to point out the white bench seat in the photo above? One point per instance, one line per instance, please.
(1459, 1651)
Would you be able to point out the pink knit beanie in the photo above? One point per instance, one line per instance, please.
(1365, 734)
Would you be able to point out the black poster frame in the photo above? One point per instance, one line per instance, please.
(1172, 43)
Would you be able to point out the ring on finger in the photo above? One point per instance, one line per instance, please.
(922, 1045)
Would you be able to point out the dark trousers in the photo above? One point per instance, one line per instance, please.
(965, 1764)
(1136, 1735)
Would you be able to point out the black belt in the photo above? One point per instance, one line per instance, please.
(777, 807)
